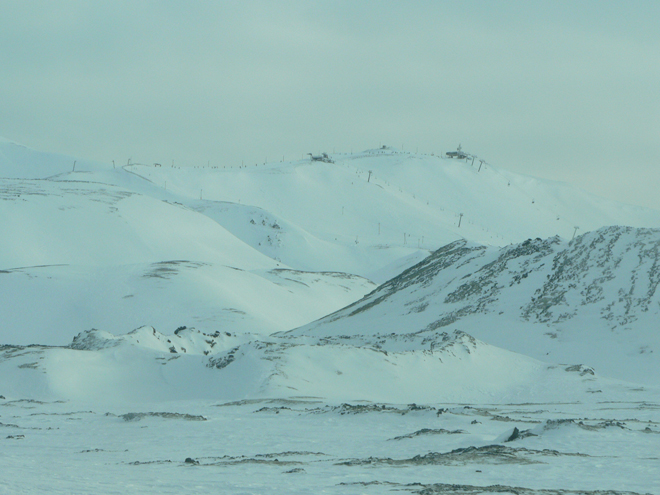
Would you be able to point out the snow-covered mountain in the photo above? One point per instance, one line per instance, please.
(157, 316)
(591, 300)
(271, 247)
(370, 214)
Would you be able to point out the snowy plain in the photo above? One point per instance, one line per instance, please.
(191, 329)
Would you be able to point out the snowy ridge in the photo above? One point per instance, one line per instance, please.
(539, 297)
(146, 365)
(21, 162)
(615, 271)
(369, 209)
(184, 340)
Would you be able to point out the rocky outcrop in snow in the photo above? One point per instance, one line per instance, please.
(539, 297)
(185, 340)
(614, 270)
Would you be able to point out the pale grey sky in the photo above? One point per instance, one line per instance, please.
(568, 90)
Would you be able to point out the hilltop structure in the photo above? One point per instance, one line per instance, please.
(323, 157)
(459, 154)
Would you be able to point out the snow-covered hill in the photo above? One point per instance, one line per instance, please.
(270, 247)
(51, 304)
(81, 239)
(76, 255)
(146, 317)
(593, 300)
(367, 208)
(47, 222)
(146, 365)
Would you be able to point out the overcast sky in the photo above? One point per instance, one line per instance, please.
(568, 90)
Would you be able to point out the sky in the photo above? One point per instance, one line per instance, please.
(565, 90)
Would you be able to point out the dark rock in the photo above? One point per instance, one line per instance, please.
(167, 415)
(295, 470)
(514, 435)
